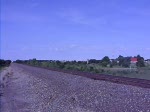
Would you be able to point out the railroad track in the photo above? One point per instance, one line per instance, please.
(115, 79)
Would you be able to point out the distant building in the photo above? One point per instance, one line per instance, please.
(111, 60)
(147, 62)
(117, 61)
(133, 62)
(87, 62)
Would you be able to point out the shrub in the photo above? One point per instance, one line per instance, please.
(102, 70)
(5, 62)
(96, 71)
(91, 69)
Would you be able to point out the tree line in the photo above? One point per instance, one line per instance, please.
(4, 63)
(104, 62)
(120, 61)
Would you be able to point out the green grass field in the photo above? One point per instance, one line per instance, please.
(141, 73)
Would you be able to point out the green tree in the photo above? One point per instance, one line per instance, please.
(8, 62)
(120, 59)
(126, 62)
(140, 62)
(113, 63)
(4, 62)
(105, 61)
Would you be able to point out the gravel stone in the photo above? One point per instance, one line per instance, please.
(31, 89)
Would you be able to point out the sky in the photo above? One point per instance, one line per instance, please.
(74, 29)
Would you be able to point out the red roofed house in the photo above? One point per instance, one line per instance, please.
(133, 62)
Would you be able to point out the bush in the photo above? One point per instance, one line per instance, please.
(4, 63)
(96, 71)
(61, 66)
(91, 69)
(82, 68)
(102, 70)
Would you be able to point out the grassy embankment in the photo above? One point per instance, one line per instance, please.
(4, 63)
(141, 72)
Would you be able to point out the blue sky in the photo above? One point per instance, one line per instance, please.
(74, 29)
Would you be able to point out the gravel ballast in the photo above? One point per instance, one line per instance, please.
(31, 89)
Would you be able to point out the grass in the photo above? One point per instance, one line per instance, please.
(1, 67)
(141, 73)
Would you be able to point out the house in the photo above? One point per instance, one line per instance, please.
(133, 62)
(147, 62)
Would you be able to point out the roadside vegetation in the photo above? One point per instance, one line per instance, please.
(120, 66)
(4, 63)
